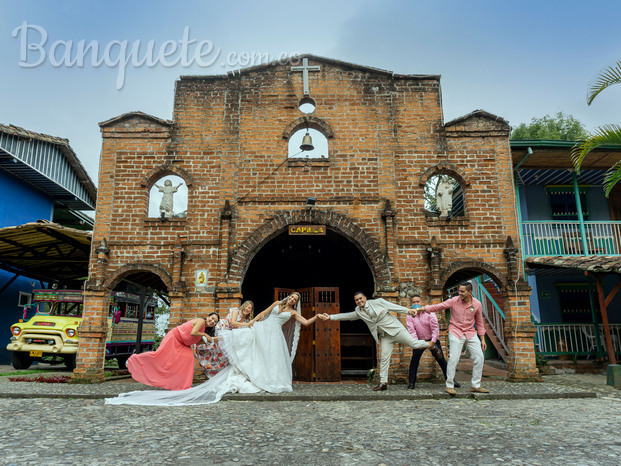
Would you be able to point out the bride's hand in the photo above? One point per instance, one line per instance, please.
(251, 323)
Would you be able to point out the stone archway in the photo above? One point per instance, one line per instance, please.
(516, 330)
(94, 327)
(368, 246)
(476, 266)
(137, 268)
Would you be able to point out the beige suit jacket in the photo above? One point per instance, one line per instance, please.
(377, 316)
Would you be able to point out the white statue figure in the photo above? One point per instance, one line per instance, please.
(166, 206)
(444, 197)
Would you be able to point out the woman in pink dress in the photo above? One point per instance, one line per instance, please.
(172, 365)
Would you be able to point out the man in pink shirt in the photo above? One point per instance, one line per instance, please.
(424, 326)
(466, 311)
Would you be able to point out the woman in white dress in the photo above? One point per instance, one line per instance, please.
(260, 359)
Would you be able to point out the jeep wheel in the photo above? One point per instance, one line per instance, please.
(21, 360)
(122, 361)
(70, 361)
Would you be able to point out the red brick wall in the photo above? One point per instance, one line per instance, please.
(386, 138)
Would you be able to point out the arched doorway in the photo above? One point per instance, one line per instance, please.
(330, 260)
(137, 297)
(487, 288)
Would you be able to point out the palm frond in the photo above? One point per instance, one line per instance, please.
(606, 78)
(604, 135)
(612, 177)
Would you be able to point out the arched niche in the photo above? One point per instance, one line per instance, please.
(444, 179)
(168, 197)
(444, 197)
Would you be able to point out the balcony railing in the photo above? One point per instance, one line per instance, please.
(563, 238)
(575, 339)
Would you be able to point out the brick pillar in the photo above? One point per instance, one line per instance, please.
(226, 216)
(92, 338)
(519, 335)
(228, 298)
(390, 249)
(176, 309)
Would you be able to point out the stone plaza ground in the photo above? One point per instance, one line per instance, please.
(567, 419)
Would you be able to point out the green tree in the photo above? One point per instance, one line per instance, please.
(560, 127)
(603, 135)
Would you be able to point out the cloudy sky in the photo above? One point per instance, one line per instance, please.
(518, 59)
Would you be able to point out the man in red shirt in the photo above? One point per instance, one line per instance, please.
(466, 311)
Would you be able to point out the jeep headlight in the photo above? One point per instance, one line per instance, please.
(16, 330)
(70, 332)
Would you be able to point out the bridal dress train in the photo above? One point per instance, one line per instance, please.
(260, 359)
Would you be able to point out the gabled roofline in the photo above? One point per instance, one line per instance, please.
(138, 114)
(477, 113)
(64, 147)
(294, 60)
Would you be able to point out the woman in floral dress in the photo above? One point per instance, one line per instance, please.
(209, 354)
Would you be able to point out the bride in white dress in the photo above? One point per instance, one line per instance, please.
(260, 359)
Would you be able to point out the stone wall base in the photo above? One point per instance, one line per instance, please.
(529, 376)
(87, 376)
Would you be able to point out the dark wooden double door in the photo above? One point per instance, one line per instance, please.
(318, 357)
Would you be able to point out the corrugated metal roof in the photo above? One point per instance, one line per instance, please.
(48, 163)
(603, 264)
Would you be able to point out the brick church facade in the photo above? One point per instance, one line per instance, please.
(228, 143)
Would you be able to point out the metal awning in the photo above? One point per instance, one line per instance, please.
(46, 251)
(549, 163)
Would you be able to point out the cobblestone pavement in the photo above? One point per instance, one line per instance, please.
(591, 382)
(461, 431)
(568, 419)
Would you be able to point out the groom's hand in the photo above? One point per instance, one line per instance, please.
(324, 316)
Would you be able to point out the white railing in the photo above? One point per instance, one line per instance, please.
(491, 312)
(576, 339)
(562, 238)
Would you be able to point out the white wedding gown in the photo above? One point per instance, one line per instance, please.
(259, 357)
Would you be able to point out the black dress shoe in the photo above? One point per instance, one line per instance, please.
(456, 385)
(411, 386)
(381, 387)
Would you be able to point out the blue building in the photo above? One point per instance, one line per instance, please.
(41, 180)
(571, 243)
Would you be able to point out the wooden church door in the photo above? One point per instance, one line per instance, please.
(318, 357)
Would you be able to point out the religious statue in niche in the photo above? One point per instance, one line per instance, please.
(166, 206)
(444, 197)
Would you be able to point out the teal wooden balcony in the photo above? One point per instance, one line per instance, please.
(564, 238)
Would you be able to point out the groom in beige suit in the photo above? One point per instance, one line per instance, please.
(385, 328)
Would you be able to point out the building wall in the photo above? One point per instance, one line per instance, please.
(32, 206)
(550, 307)
(229, 133)
(535, 204)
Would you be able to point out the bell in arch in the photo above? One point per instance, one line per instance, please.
(307, 142)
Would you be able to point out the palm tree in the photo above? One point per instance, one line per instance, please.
(603, 135)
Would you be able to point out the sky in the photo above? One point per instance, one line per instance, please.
(517, 59)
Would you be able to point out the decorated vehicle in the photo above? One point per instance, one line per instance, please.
(52, 334)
